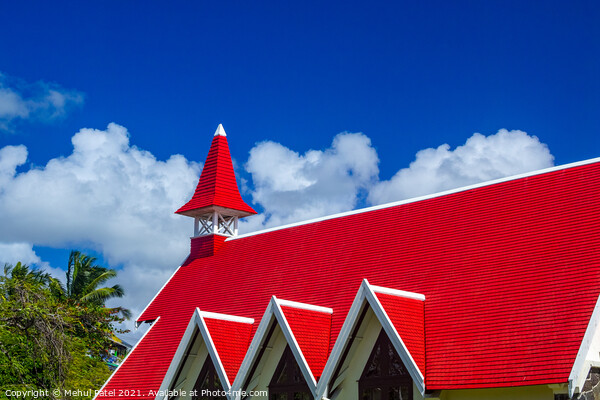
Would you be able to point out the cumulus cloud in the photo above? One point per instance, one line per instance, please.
(481, 158)
(107, 195)
(40, 101)
(12, 253)
(118, 199)
(293, 187)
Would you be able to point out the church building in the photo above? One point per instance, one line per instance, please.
(484, 292)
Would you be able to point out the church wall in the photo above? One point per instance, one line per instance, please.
(192, 366)
(535, 392)
(268, 363)
(345, 387)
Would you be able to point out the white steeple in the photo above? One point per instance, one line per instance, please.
(220, 131)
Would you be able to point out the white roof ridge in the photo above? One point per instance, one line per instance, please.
(421, 198)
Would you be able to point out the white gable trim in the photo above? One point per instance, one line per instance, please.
(421, 198)
(226, 317)
(399, 293)
(254, 348)
(303, 306)
(366, 297)
(294, 346)
(212, 350)
(274, 314)
(197, 321)
(395, 338)
(341, 342)
(590, 345)
(126, 357)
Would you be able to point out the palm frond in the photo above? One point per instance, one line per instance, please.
(100, 295)
(99, 280)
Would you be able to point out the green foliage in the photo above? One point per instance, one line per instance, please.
(53, 337)
(84, 278)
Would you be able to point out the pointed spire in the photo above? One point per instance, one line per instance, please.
(217, 189)
(220, 131)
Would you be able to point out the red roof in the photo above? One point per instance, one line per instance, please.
(510, 271)
(408, 317)
(217, 185)
(231, 340)
(312, 331)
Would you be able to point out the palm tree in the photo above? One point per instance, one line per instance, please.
(84, 279)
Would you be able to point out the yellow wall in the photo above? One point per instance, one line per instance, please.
(192, 367)
(539, 392)
(346, 385)
(268, 363)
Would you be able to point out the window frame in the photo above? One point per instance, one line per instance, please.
(384, 382)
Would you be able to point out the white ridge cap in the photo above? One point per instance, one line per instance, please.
(420, 198)
(220, 131)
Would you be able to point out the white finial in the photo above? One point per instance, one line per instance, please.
(220, 131)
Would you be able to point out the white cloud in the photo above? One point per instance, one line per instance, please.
(293, 187)
(106, 195)
(40, 101)
(12, 253)
(10, 158)
(481, 158)
(118, 199)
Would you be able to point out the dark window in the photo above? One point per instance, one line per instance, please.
(287, 382)
(208, 386)
(385, 377)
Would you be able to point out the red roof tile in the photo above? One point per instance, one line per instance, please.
(312, 330)
(231, 340)
(511, 274)
(217, 185)
(408, 317)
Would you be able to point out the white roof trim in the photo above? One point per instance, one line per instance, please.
(366, 295)
(220, 131)
(274, 313)
(295, 347)
(137, 320)
(340, 343)
(399, 293)
(212, 350)
(254, 348)
(197, 321)
(303, 306)
(421, 198)
(589, 345)
(395, 338)
(226, 317)
(126, 357)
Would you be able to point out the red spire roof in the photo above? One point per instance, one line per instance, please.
(217, 187)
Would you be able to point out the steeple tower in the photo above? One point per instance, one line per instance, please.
(217, 204)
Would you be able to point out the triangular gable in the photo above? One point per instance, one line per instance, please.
(588, 355)
(407, 313)
(226, 338)
(401, 318)
(306, 329)
(311, 327)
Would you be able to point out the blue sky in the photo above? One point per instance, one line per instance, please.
(408, 75)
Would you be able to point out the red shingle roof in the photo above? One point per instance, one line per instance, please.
(312, 330)
(408, 317)
(217, 185)
(511, 273)
(231, 340)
